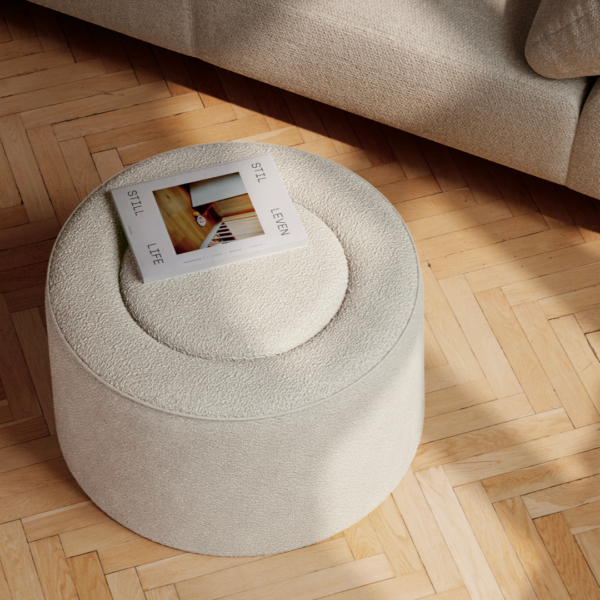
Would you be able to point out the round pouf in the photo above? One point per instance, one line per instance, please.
(252, 408)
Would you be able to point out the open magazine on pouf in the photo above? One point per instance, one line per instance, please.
(208, 217)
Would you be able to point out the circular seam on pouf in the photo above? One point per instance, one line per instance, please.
(337, 349)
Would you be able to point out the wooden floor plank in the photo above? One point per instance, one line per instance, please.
(448, 332)
(81, 167)
(184, 115)
(186, 566)
(22, 577)
(125, 585)
(481, 236)
(52, 76)
(42, 499)
(546, 197)
(494, 542)
(222, 132)
(531, 550)
(47, 27)
(89, 579)
(53, 569)
(372, 140)
(533, 267)
(461, 449)
(29, 453)
(362, 539)
(459, 536)
(557, 365)
(25, 169)
(79, 37)
(458, 220)
(580, 354)
(67, 92)
(409, 189)
(54, 171)
(18, 20)
(95, 537)
(20, 47)
(437, 204)
(395, 539)
(518, 350)
(111, 49)
(14, 373)
(480, 336)
(206, 80)
(571, 302)
(266, 572)
(62, 520)
(458, 397)
(322, 583)
(474, 171)
(142, 60)
(589, 542)
(580, 464)
(133, 554)
(28, 478)
(407, 152)
(555, 441)
(108, 163)
(72, 114)
(512, 188)
(568, 558)
(35, 63)
(442, 164)
(583, 518)
(589, 320)
(504, 252)
(563, 497)
(174, 71)
(475, 417)
(434, 355)
(552, 285)
(425, 532)
(133, 106)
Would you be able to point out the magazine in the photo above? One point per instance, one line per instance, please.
(208, 217)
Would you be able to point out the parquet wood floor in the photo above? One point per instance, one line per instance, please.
(503, 499)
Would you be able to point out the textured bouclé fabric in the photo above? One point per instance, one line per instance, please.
(564, 41)
(267, 445)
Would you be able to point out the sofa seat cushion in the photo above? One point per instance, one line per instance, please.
(563, 41)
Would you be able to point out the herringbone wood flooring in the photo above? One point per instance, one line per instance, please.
(503, 499)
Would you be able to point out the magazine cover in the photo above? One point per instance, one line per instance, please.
(209, 217)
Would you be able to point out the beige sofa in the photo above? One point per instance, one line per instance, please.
(454, 72)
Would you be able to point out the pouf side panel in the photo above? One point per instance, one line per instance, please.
(245, 487)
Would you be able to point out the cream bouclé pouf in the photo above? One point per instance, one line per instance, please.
(252, 408)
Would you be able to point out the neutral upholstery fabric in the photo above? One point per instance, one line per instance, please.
(228, 455)
(584, 171)
(564, 40)
(454, 72)
(272, 302)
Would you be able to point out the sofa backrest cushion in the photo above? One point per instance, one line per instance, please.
(564, 40)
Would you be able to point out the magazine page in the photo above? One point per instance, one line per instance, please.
(208, 217)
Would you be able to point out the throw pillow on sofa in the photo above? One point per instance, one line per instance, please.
(564, 39)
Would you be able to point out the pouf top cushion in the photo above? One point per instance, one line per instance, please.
(332, 310)
(250, 309)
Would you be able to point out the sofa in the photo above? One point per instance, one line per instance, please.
(459, 73)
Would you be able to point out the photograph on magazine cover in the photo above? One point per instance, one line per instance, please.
(203, 214)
